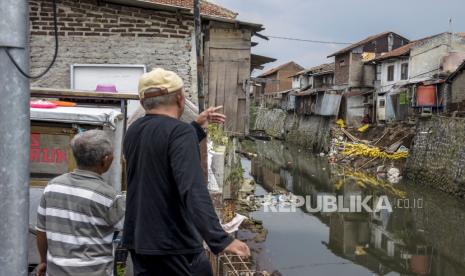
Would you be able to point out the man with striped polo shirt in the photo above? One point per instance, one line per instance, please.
(79, 213)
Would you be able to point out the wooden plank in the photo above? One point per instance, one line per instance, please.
(241, 117)
(231, 95)
(68, 93)
(220, 84)
(230, 38)
(213, 84)
(206, 75)
(222, 54)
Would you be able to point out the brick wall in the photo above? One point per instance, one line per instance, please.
(341, 71)
(106, 33)
(272, 84)
(437, 157)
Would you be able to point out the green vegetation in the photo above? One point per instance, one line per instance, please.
(216, 135)
(120, 269)
(253, 116)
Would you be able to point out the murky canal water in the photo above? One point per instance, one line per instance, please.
(407, 241)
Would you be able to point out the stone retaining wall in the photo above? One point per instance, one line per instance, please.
(437, 157)
(310, 132)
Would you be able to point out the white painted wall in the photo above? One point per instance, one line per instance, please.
(426, 58)
(385, 84)
(124, 77)
(296, 82)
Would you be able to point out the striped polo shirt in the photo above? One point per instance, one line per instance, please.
(79, 213)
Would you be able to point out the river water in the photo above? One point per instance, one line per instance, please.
(423, 235)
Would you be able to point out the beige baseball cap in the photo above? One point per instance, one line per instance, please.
(166, 81)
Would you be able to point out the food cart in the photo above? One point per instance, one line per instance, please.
(52, 130)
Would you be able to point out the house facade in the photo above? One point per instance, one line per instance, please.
(133, 34)
(410, 79)
(277, 78)
(313, 91)
(355, 78)
(278, 84)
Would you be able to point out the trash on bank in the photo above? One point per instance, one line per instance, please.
(393, 175)
(234, 224)
(363, 128)
(357, 149)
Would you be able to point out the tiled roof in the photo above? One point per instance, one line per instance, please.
(360, 43)
(277, 68)
(206, 7)
(327, 67)
(401, 51)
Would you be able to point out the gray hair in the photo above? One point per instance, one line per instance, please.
(155, 102)
(90, 147)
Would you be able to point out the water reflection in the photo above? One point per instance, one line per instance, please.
(408, 241)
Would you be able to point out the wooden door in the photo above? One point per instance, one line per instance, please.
(228, 69)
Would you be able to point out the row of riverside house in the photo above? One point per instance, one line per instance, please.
(383, 78)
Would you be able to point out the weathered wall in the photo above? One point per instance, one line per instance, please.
(458, 90)
(341, 71)
(103, 33)
(426, 58)
(437, 157)
(271, 84)
(310, 132)
(272, 121)
(355, 70)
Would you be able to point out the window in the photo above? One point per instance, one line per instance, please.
(342, 62)
(404, 71)
(382, 103)
(390, 73)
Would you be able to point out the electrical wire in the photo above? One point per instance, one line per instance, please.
(308, 40)
(55, 22)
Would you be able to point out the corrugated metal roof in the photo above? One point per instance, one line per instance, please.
(363, 42)
(322, 68)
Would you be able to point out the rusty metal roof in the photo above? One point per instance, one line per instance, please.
(322, 68)
(277, 68)
(363, 42)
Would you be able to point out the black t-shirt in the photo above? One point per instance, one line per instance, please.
(169, 209)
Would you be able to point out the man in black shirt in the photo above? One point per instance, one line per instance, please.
(169, 211)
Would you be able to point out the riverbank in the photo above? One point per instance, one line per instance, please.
(429, 151)
(309, 132)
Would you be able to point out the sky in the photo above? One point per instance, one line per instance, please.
(340, 21)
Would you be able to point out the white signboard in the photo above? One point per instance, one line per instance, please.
(124, 76)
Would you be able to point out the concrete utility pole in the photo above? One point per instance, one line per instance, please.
(14, 139)
(198, 48)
